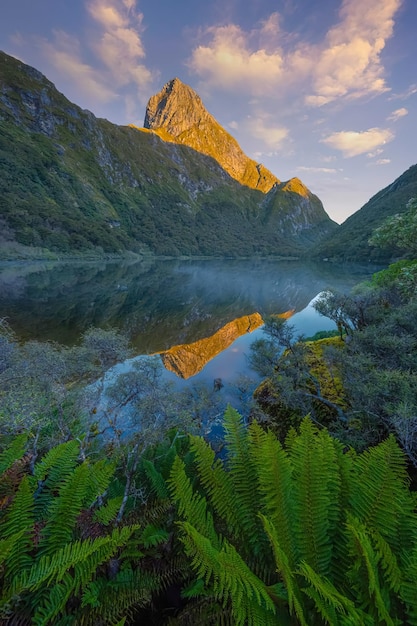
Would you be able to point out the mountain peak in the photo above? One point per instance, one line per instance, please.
(176, 108)
(179, 111)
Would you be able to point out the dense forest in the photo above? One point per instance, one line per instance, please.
(304, 513)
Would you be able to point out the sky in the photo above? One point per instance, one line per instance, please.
(325, 90)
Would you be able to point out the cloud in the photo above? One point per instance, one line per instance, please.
(395, 115)
(227, 62)
(318, 170)
(349, 64)
(116, 70)
(119, 44)
(271, 135)
(383, 161)
(352, 143)
(404, 95)
(266, 61)
(65, 55)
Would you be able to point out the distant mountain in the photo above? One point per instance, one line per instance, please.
(74, 184)
(350, 241)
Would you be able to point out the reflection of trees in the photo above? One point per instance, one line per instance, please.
(158, 303)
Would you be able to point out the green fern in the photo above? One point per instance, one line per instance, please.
(13, 452)
(157, 481)
(108, 512)
(18, 524)
(338, 554)
(230, 578)
(45, 566)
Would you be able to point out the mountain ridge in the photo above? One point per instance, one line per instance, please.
(178, 112)
(75, 184)
(350, 241)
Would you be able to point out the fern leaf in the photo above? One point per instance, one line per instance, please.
(105, 601)
(316, 489)
(157, 481)
(327, 598)
(381, 478)
(56, 597)
(246, 500)
(408, 586)
(14, 452)
(108, 512)
(152, 536)
(19, 523)
(99, 475)
(231, 579)
(217, 483)
(57, 464)
(362, 550)
(64, 510)
(285, 571)
(274, 472)
(191, 506)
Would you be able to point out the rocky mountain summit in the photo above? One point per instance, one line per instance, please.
(178, 114)
(71, 183)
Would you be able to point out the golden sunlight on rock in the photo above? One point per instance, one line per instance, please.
(287, 314)
(188, 359)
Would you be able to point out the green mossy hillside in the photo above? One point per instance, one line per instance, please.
(74, 184)
(350, 241)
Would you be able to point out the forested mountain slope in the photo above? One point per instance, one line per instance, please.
(72, 183)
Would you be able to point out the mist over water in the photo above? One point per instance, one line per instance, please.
(197, 319)
(159, 304)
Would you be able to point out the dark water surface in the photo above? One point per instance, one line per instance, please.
(161, 304)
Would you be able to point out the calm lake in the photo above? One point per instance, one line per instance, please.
(199, 316)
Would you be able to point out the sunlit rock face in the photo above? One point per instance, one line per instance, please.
(188, 359)
(177, 113)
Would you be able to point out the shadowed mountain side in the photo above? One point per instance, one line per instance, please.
(189, 359)
(74, 184)
(350, 240)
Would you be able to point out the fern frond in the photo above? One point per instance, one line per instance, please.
(86, 555)
(64, 510)
(217, 483)
(108, 512)
(361, 547)
(408, 586)
(57, 464)
(56, 597)
(100, 474)
(316, 491)
(152, 536)
(13, 452)
(191, 506)
(387, 561)
(381, 478)
(327, 598)
(19, 524)
(285, 571)
(246, 500)
(274, 472)
(105, 601)
(158, 485)
(231, 579)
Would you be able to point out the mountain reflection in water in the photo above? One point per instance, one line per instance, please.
(198, 306)
(188, 359)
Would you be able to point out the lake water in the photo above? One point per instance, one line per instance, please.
(199, 316)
